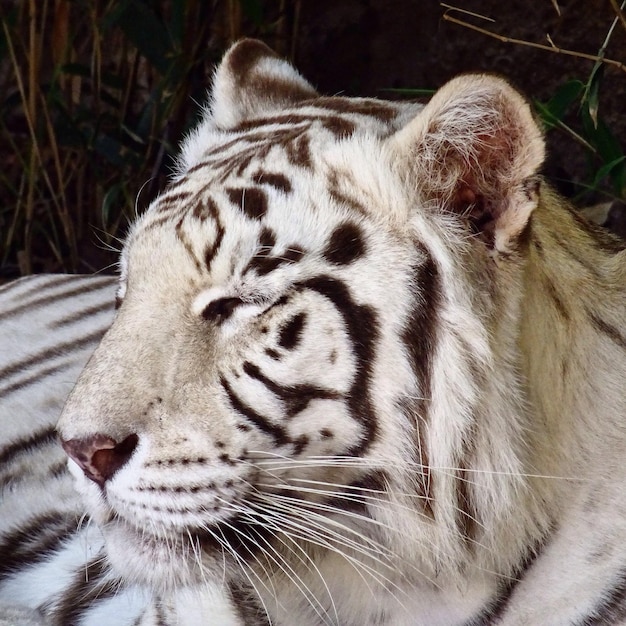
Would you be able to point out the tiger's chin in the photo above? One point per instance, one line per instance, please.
(164, 563)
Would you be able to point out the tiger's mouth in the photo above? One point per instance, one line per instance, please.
(165, 561)
(168, 559)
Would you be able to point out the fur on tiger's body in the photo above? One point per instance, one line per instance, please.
(367, 368)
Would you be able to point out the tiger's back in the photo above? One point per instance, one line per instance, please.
(367, 369)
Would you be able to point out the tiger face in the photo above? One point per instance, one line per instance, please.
(301, 371)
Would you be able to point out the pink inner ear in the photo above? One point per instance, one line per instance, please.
(473, 207)
(465, 195)
(469, 202)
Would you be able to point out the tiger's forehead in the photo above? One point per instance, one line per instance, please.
(276, 153)
(300, 135)
(274, 187)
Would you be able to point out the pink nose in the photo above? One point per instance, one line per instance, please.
(100, 456)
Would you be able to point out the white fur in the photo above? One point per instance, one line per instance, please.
(537, 453)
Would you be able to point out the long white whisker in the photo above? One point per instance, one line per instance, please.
(308, 563)
(318, 534)
(380, 464)
(245, 568)
(293, 576)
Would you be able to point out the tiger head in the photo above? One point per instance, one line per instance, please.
(315, 349)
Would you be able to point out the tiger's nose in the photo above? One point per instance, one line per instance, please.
(100, 456)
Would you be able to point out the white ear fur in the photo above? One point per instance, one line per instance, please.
(476, 149)
(252, 81)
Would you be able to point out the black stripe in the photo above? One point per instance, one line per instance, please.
(184, 240)
(59, 469)
(467, 518)
(407, 406)
(40, 438)
(37, 284)
(161, 618)
(420, 338)
(54, 351)
(555, 296)
(346, 245)
(291, 332)
(243, 143)
(420, 333)
(93, 285)
(288, 119)
(383, 111)
(209, 210)
(172, 197)
(295, 397)
(251, 200)
(293, 253)
(611, 609)
(157, 222)
(277, 432)
(109, 305)
(494, 611)
(87, 589)
(267, 239)
(361, 323)
(264, 264)
(607, 329)
(278, 181)
(34, 378)
(358, 495)
(339, 126)
(247, 605)
(34, 542)
(55, 470)
(602, 238)
(298, 151)
(341, 198)
(576, 254)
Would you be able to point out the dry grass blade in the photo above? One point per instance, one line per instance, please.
(522, 42)
(466, 12)
(619, 11)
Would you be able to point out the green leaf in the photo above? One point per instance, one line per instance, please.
(146, 31)
(601, 137)
(109, 201)
(607, 169)
(554, 110)
(590, 99)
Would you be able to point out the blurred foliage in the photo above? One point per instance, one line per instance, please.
(94, 95)
(575, 110)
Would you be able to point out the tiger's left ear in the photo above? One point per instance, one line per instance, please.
(475, 149)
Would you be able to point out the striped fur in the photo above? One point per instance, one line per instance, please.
(367, 369)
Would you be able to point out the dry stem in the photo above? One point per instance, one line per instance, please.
(549, 48)
(619, 12)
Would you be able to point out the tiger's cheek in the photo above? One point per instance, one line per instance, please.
(290, 375)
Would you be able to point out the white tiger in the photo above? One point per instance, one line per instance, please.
(367, 369)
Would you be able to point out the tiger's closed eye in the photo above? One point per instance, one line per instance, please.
(221, 309)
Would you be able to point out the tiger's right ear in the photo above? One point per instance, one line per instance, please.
(253, 81)
(475, 151)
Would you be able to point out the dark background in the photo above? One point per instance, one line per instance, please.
(95, 95)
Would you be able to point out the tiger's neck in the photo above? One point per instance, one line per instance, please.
(572, 340)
